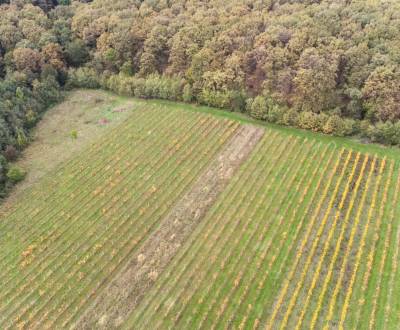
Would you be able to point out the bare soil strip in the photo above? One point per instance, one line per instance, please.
(126, 290)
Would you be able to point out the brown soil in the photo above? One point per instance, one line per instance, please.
(126, 290)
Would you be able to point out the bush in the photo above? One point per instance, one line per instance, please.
(121, 84)
(257, 108)
(237, 101)
(312, 121)
(275, 114)
(82, 78)
(3, 175)
(214, 98)
(74, 134)
(175, 89)
(352, 127)
(187, 95)
(11, 153)
(139, 87)
(22, 139)
(31, 118)
(334, 125)
(291, 118)
(387, 132)
(364, 128)
(46, 91)
(16, 174)
(338, 126)
(127, 69)
(261, 107)
(154, 86)
(76, 53)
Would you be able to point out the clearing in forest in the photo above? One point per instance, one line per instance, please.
(179, 219)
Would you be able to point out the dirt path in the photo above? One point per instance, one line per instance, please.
(126, 290)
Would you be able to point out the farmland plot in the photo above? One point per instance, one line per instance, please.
(305, 235)
(68, 235)
(177, 219)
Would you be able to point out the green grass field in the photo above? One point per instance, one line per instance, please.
(304, 235)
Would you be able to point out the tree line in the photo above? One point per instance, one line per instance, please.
(327, 66)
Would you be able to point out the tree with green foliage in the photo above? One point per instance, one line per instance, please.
(307, 57)
(382, 93)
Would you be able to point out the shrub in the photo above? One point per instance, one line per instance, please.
(364, 128)
(76, 53)
(261, 107)
(46, 91)
(334, 125)
(3, 175)
(121, 84)
(249, 103)
(352, 127)
(74, 134)
(275, 114)
(258, 108)
(11, 153)
(127, 69)
(139, 87)
(82, 78)
(387, 132)
(291, 118)
(311, 121)
(187, 95)
(154, 86)
(16, 174)
(212, 98)
(22, 139)
(237, 101)
(321, 120)
(175, 89)
(31, 118)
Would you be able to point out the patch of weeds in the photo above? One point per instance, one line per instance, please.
(74, 134)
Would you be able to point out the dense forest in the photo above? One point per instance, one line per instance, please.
(325, 65)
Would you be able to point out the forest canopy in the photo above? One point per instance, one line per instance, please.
(330, 66)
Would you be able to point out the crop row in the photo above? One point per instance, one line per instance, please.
(300, 251)
(317, 272)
